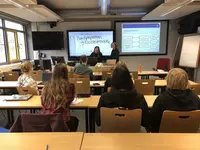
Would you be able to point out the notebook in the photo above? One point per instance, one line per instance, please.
(17, 97)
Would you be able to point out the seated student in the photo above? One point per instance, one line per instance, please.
(123, 94)
(25, 80)
(82, 68)
(58, 94)
(97, 53)
(177, 97)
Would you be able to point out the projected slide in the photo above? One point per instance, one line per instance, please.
(83, 42)
(140, 37)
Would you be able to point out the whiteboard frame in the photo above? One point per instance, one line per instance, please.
(197, 61)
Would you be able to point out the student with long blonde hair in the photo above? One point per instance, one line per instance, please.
(177, 97)
(58, 94)
(26, 80)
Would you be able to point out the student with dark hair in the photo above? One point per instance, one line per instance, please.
(58, 94)
(97, 53)
(82, 68)
(123, 94)
(177, 97)
(115, 52)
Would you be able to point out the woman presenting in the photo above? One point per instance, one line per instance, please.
(115, 52)
(97, 53)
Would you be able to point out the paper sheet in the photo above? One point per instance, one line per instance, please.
(77, 100)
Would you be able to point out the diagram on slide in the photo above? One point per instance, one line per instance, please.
(141, 37)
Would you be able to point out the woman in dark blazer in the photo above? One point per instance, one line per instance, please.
(115, 52)
(97, 53)
(123, 94)
(177, 97)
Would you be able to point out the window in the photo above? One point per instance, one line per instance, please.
(0, 23)
(13, 25)
(12, 41)
(2, 48)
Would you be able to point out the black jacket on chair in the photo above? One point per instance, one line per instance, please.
(126, 99)
(175, 100)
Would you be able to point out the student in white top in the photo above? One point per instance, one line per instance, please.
(25, 80)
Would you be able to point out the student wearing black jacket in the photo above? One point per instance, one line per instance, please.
(97, 53)
(115, 52)
(123, 94)
(177, 97)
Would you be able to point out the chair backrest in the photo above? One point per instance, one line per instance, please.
(82, 85)
(39, 123)
(46, 76)
(106, 74)
(180, 122)
(109, 89)
(164, 64)
(111, 62)
(11, 76)
(114, 120)
(196, 89)
(37, 75)
(145, 87)
(70, 75)
(27, 90)
(135, 75)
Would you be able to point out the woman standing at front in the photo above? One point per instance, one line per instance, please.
(115, 52)
(58, 94)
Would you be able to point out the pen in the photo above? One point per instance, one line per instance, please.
(47, 147)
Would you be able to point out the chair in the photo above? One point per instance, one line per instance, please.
(145, 87)
(109, 89)
(11, 76)
(37, 75)
(106, 74)
(46, 76)
(180, 121)
(164, 64)
(196, 89)
(39, 123)
(120, 121)
(111, 62)
(135, 75)
(27, 90)
(70, 75)
(82, 85)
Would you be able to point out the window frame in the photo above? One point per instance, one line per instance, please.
(16, 41)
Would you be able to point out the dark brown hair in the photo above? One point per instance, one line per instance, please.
(121, 78)
(83, 59)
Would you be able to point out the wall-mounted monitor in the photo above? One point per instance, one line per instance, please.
(48, 40)
(84, 41)
(142, 38)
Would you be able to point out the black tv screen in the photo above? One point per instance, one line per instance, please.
(48, 40)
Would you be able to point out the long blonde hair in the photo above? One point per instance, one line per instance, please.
(58, 90)
(177, 78)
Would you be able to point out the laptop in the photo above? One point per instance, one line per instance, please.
(92, 61)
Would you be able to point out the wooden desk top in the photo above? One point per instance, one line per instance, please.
(11, 84)
(35, 102)
(143, 73)
(14, 84)
(38, 141)
(141, 141)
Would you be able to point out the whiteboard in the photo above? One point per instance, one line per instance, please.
(190, 51)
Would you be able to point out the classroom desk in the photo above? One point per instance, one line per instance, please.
(11, 84)
(144, 74)
(38, 141)
(140, 141)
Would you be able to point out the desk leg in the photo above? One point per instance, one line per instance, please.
(92, 120)
(10, 117)
(86, 120)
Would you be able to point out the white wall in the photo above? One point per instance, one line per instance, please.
(133, 62)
